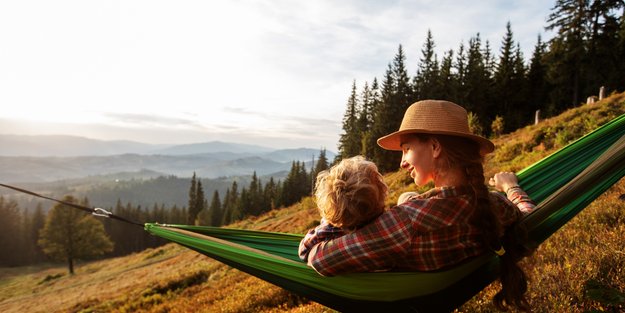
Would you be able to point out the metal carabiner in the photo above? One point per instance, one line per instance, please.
(101, 212)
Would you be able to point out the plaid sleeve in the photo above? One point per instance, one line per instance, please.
(375, 246)
(322, 232)
(518, 196)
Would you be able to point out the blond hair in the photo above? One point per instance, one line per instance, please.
(351, 193)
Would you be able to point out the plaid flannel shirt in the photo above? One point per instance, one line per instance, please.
(429, 232)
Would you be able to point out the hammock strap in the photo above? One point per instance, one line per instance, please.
(94, 211)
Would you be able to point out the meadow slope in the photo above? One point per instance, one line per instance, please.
(581, 268)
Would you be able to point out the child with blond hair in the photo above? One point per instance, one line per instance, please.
(349, 195)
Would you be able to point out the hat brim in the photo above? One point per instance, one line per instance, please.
(393, 141)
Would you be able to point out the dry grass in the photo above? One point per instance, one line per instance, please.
(51, 287)
(579, 269)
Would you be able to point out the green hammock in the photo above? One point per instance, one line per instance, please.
(562, 184)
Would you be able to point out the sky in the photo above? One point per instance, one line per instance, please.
(275, 73)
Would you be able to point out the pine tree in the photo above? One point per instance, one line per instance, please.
(368, 141)
(200, 201)
(461, 71)
(251, 198)
(216, 215)
(296, 185)
(538, 88)
(521, 108)
(243, 204)
(27, 244)
(617, 78)
(384, 123)
(503, 75)
(116, 230)
(69, 234)
(322, 164)
(427, 79)
(38, 220)
(273, 192)
(365, 114)
(288, 187)
(234, 214)
(349, 142)
(477, 81)
(602, 59)
(254, 205)
(304, 181)
(447, 79)
(227, 209)
(489, 60)
(197, 200)
(510, 83)
(135, 235)
(403, 91)
(567, 51)
(396, 96)
(193, 210)
(270, 195)
(9, 229)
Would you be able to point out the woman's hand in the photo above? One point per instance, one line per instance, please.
(503, 181)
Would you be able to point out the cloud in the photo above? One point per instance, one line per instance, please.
(149, 120)
(246, 111)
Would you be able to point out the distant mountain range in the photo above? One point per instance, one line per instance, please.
(68, 146)
(54, 158)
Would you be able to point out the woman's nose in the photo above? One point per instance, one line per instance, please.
(404, 164)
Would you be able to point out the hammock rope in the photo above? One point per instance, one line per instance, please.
(93, 211)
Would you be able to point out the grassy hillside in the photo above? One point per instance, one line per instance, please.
(579, 269)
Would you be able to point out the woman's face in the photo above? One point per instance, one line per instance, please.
(418, 159)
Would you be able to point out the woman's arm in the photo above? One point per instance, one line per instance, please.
(508, 183)
(376, 246)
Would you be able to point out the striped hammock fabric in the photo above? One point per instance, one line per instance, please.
(562, 184)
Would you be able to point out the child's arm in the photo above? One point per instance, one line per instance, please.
(325, 231)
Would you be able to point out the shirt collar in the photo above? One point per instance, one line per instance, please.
(446, 192)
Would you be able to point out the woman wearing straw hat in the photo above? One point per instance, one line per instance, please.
(457, 219)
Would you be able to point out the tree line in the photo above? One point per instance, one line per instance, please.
(67, 234)
(23, 232)
(240, 202)
(501, 92)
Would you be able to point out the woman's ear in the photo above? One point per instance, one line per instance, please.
(436, 147)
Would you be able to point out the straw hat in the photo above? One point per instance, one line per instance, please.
(435, 117)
